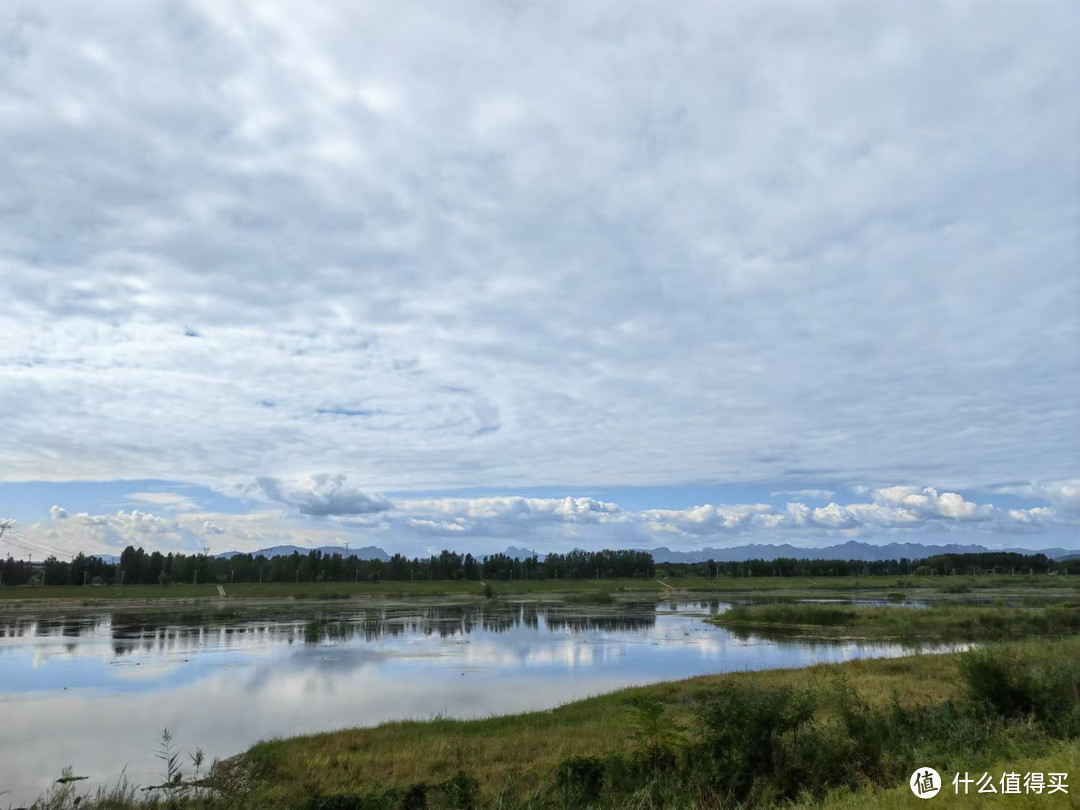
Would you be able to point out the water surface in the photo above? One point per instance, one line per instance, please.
(94, 690)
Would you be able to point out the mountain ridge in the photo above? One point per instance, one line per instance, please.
(850, 550)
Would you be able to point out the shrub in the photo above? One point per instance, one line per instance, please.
(590, 598)
(657, 740)
(1002, 682)
(460, 792)
(581, 778)
(996, 680)
(742, 729)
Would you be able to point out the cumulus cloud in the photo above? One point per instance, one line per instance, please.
(927, 502)
(66, 533)
(892, 509)
(1064, 495)
(321, 511)
(322, 494)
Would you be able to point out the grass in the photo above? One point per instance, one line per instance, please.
(865, 725)
(831, 735)
(590, 598)
(1058, 757)
(524, 751)
(878, 586)
(937, 622)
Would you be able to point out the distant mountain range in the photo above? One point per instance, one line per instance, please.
(522, 553)
(852, 550)
(363, 553)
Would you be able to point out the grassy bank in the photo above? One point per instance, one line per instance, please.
(863, 724)
(923, 587)
(523, 751)
(938, 622)
(845, 734)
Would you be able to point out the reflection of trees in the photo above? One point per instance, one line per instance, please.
(623, 618)
(188, 630)
(461, 620)
(62, 626)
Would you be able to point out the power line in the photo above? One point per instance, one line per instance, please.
(36, 546)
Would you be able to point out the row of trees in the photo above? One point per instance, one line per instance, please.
(938, 565)
(137, 567)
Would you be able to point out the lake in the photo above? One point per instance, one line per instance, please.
(94, 688)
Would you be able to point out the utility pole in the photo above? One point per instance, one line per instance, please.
(4, 526)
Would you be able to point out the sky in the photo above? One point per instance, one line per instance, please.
(555, 275)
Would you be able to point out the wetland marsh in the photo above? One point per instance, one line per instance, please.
(378, 693)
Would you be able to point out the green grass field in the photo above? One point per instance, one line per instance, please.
(922, 587)
(516, 760)
(833, 736)
(951, 622)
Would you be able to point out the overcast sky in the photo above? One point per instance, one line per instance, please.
(413, 274)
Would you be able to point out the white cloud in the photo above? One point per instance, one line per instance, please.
(926, 502)
(673, 244)
(819, 494)
(322, 494)
(487, 524)
(66, 534)
(1064, 495)
(164, 500)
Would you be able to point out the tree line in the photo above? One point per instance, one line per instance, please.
(137, 567)
(991, 562)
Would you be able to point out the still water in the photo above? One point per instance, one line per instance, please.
(94, 690)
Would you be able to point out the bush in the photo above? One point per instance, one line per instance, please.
(460, 792)
(742, 730)
(957, 588)
(590, 598)
(581, 778)
(1002, 683)
(997, 681)
(794, 613)
(657, 740)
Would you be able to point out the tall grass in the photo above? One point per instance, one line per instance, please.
(740, 740)
(940, 621)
